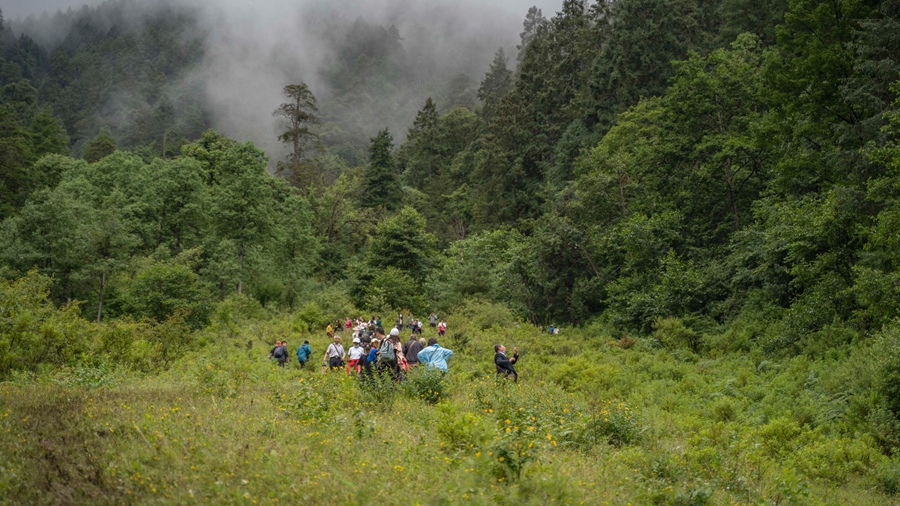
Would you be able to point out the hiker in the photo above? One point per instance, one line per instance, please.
(505, 364)
(434, 356)
(272, 351)
(411, 351)
(365, 366)
(280, 353)
(334, 355)
(432, 320)
(303, 353)
(387, 354)
(355, 353)
(372, 357)
(365, 339)
(399, 325)
(442, 328)
(409, 322)
(329, 329)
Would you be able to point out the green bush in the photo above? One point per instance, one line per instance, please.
(887, 477)
(33, 331)
(460, 431)
(160, 290)
(427, 384)
(673, 333)
(613, 423)
(310, 318)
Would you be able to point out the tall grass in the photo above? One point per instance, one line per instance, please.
(590, 421)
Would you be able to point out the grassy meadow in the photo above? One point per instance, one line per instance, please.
(592, 420)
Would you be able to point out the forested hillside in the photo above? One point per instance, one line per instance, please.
(713, 182)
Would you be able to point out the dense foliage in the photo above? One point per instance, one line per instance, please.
(717, 181)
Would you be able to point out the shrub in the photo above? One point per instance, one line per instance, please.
(459, 430)
(160, 290)
(673, 333)
(613, 423)
(33, 331)
(378, 392)
(425, 383)
(888, 477)
(310, 318)
(724, 410)
(483, 315)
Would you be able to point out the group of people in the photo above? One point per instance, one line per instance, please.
(377, 352)
(280, 353)
(360, 327)
(373, 351)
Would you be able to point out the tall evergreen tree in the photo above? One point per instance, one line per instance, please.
(534, 19)
(100, 147)
(418, 155)
(381, 186)
(645, 37)
(299, 112)
(496, 84)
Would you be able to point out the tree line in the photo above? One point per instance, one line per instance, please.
(703, 164)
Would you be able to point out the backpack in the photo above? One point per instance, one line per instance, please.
(387, 350)
(280, 352)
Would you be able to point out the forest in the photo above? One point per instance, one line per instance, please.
(703, 195)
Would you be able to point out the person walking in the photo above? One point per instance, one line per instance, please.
(272, 351)
(329, 329)
(355, 354)
(388, 355)
(372, 357)
(442, 328)
(434, 356)
(504, 364)
(303, 353)
(399, 325)
(432, 320)
(334, 355)
(411, 351)
(280, 353)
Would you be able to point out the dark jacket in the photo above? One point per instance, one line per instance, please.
(411, 351)
(505, 364)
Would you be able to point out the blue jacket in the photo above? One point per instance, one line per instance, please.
(435, 356)
(303, 352)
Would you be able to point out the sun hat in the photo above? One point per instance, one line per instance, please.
(395, 332)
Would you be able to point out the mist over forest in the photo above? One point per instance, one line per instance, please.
(370, 64)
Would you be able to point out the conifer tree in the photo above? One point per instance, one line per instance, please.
(100, 147)
(533, 21)
(299, 111)
(381, 187)
(497, 83)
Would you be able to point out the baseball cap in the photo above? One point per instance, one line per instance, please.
(355, 339)
(395, 332)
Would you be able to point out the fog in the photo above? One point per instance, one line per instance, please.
(253, 49)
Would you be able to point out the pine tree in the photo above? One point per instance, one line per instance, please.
(419, 154)
(381, 187)
(496, 84)
(100, 147)
(533, 21)
(300, 114)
